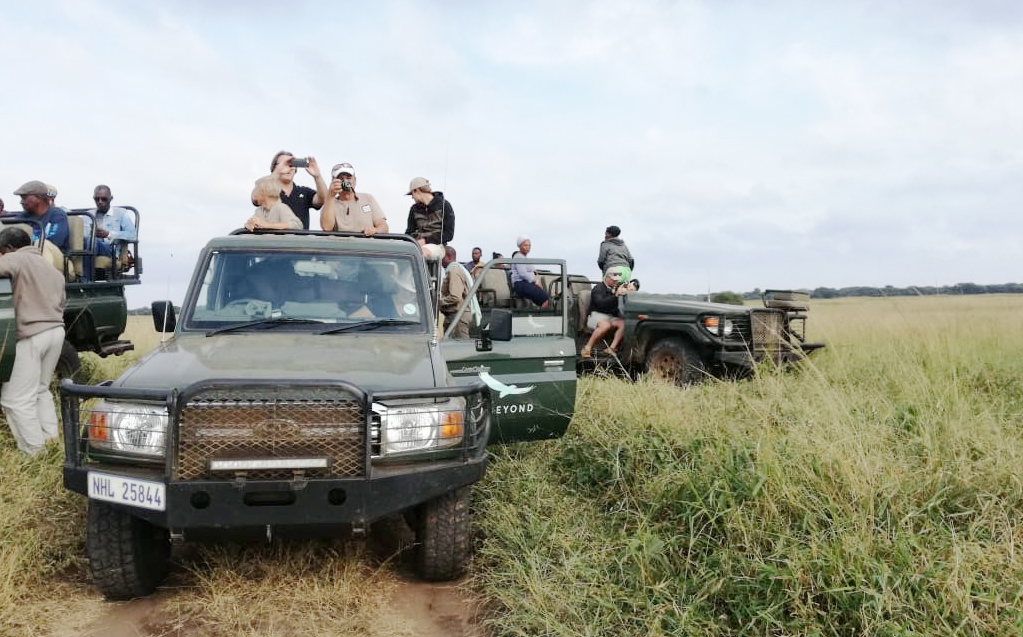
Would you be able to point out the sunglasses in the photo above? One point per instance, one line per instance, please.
(101, 198)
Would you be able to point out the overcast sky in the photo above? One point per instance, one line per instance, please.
(737, 144)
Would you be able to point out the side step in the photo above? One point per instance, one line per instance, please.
(116, 348)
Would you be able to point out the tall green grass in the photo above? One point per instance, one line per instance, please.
(875, 491)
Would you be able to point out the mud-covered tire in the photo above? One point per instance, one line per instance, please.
(128, 556)
(442, 536)
(69, 365)
(674, 360)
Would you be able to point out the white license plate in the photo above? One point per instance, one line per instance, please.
(136, 493)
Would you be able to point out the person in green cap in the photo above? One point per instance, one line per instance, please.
(604, 314)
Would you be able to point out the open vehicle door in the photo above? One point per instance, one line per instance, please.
(532, 375)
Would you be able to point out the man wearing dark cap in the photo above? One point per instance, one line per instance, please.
(613, 250)
(431, 219)
(37, 203)
(39, 309)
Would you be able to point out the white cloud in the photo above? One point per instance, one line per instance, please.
(737, 145)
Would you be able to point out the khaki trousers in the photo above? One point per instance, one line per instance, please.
(26, 398)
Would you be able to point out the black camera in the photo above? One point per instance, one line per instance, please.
(299, 162)
(634, 283)
(346, 185)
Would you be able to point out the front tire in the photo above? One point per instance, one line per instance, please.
(674, 360)
(128, 556)
(442, 536)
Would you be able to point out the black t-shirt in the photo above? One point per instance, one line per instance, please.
(603, 300)
(300, 201)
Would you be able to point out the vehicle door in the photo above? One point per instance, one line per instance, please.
(8, 329)
(532, 376)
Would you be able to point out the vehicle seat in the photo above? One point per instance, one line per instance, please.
(76, 241)
(584, 309)
(495, 290)
(377, 286)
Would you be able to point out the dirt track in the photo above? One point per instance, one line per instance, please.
(413, 607)
(423, 609)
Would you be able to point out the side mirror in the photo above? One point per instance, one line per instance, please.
(498, 328)
(163, 316)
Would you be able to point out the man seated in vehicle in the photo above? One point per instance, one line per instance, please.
(605, 314)
(115, 228)
(431, 219)
(35, 201)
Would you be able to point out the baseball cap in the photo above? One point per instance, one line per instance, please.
(418, 182)
(51, 191)
(341, 168)
(34, 187)
(618, 272)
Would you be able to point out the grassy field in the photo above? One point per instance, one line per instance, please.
(875, 491)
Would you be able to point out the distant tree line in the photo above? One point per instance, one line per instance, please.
(913, 290)
(735, 298)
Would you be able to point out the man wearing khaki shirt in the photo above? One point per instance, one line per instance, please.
(348, 211)
(452, 292)
(39, 305)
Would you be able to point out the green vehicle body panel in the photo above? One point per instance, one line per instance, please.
(95, 314)
(539, 371)
(373, 361)
(8, 329)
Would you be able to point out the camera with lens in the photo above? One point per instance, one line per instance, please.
(346, 185)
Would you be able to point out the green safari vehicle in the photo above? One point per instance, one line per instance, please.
(306, 388)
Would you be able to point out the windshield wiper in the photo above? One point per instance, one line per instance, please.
(267, 322)
(367, 325)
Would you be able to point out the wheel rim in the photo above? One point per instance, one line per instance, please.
(666, 367)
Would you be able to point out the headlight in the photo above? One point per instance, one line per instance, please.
(414, 428)
(718, 326)
(128, 428)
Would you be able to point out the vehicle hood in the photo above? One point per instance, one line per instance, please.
(639, 303)
(371, 361)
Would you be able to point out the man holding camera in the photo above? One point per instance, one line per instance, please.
(348, 211)
(605, 313)
(299, 198)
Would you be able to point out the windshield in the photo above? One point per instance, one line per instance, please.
(244, 290)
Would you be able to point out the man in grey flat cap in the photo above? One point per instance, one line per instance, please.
(37, 203)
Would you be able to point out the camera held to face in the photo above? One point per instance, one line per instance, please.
(346, 185)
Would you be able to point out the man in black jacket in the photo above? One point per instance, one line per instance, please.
(431, 219)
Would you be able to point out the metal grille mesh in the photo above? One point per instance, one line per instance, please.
(271, 423)
(768, 333)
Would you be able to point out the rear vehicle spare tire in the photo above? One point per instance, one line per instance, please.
(442, 536)
(674, 360)
(128, 556)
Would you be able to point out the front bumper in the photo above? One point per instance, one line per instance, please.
(266, 420)
(223, 505)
